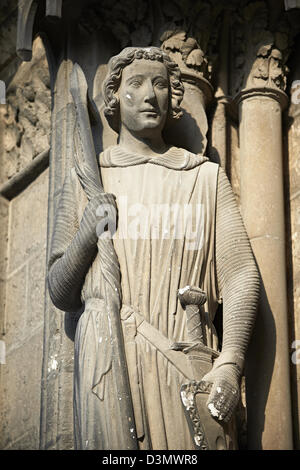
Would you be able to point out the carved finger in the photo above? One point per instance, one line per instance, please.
(222, 401)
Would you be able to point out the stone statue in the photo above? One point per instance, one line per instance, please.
(147, 252)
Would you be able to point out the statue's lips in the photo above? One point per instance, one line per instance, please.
(151, 112)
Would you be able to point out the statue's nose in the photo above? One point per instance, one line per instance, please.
(149, 91)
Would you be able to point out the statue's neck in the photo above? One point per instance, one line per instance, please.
(148, 145)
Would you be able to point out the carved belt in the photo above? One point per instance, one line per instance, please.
(156, 338)
(134, 323)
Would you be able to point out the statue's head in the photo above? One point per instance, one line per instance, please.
(143, 88)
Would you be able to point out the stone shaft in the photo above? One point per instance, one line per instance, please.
(262, 201)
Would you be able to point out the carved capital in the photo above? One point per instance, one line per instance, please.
(259, 92)
(187, 53)
(260, 49)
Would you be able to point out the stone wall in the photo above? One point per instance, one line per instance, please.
(292, 170)
(20, 376)
(24, 141)
(9, 62)
(25, 120)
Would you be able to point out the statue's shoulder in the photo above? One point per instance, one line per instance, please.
(209, 171)
(207, 166)
(106, 155)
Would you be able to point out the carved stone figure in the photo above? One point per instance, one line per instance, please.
(148, 240)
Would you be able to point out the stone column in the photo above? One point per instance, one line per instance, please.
(190, 132)
(219, 124)
(262, 202)
(261, 39)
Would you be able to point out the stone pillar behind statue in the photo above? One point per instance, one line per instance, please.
(262, 201)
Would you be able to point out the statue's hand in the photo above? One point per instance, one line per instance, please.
(99, 213)
(225, 392)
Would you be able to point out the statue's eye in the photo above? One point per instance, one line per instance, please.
(135, 83)
(160, 84)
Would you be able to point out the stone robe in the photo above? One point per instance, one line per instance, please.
(158, 255)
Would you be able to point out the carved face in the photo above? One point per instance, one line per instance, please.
(144, 96)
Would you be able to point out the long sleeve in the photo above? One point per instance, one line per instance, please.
(72, 249)
(237, 274)
(74, 244)
(239, 285)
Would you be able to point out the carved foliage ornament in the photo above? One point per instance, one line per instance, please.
(185, 51)
(259, 54)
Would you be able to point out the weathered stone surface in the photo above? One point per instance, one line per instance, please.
(36, 291)
(293, 237)
(26, 117)
(9, 62)
(21, 379)
(8, 30)
(4, 208)
(16, 308)
(295, 231)
(22, 294)
(262, 201)
(6, 8)
(4, 217)
(65, 409)
(28, 223)
(234, 162)
(10, 69)
(293, 144)
(28, 441)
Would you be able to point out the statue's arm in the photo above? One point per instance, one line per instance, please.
(237, 274)
(73, 248)
(239, 285)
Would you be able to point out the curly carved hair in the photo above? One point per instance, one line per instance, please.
(113, 79)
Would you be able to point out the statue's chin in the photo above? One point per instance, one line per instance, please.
(145, 122)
